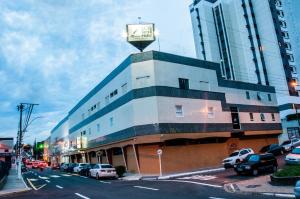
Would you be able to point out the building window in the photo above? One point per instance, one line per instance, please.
(290, 57)
(179, 111)
(259, 96)
(98, 105)
(282, 24)
(285, 34)
(288, 46)
(210, 112)
(98, 128)
(251, 117)
(269, 97)
(247, 95)
(124, 88)
(262, 117)
(111, 121)
(107, 99)
(183, 83)
(273, 116)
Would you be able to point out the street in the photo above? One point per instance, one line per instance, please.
(55, 184)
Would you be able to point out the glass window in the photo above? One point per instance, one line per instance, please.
(262, 117)
(247, 95)
(273, 116)
(106, 166)
(179, 111)
(183, 83)
(111, 121)
(269, 97)
(98, 128)
(251, 117)
(234, 154)
(293, 132)
(124, 88)
(259, 96)
(210, 112)
(253, 158)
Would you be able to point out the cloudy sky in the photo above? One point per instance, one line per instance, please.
(52, 52)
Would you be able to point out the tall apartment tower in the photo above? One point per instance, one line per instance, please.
(250, 40)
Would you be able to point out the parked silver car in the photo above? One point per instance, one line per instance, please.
(297, 190)
(289, 145)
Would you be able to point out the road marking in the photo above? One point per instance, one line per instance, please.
(215, 198)
(192, 182)
(41, 186)
(44, 178)
(66, 175)
(55, 176)
(83, 176)
(59, 187)
(198, 177)
(47, 181)
(31, 184)
(75, 174)
(82, 196)
(146, 188)
(104, 182)
(32, 179)
(282, 195)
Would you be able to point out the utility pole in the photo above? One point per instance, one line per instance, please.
(27, 108)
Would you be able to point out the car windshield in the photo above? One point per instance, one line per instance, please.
(106, 166)
(253, 158)
(273, 146)
(286, 142)
(234, 154)
(296, 151)
(82, 165)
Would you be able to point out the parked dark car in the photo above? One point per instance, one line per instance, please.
(86, 169)
(64, 166)
(275, 149)
(256, 163)
(71, 167)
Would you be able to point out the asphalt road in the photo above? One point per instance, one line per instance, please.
(54, 184)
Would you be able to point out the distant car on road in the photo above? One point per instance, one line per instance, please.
(71, 167)
(35, 164)
(255, 163)
(275, 149)
(236, 157)
(86, 169)
(289, 145)
(78, 167)
(293, 157)
(103, 170)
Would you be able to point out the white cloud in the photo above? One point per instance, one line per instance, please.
(18, 19)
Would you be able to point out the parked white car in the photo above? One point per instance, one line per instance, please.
(78, 168)
(289, 145)
(236, 157)
(102, 170)
(293, 157)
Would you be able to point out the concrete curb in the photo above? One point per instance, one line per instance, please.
(189, 173)
(14, 191)
(234, 188)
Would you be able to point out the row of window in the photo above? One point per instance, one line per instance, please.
(262, 117)
(107, 101)
(259, 96)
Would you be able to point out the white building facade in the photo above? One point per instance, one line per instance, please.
(155, 100)
(250, 40)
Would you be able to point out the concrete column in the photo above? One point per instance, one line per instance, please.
(124, 158)
(107, 156)
(136, 159)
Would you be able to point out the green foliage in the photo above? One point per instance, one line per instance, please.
(120, 170)
(288, 171)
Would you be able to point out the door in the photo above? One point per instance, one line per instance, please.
(235, 118)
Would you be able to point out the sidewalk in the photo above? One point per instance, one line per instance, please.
(259, 184)
(13, 184)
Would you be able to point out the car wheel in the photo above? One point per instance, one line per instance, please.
(97, 176)
(255, 172)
